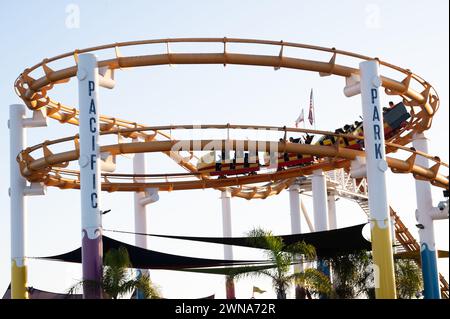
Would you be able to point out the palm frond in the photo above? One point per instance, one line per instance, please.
(84, 284)
(117, 258)
(263, 239)
(408, 278)
(150, 290)
(251, 273)
(302, 248)
(313, 279)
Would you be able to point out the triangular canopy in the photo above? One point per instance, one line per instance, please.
(327, 244)
(149, 259)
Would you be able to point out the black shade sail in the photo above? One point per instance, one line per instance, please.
(327, 243)
(149, 259)
(34, 293)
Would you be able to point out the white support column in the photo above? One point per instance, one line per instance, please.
(227, 232)
(140, 210)
(90, 184)
(296, 228)
(376, 178)
(425, 221)
(332, 218)
(319, 189)
(18, 204)
(332, 224)
(18, 191)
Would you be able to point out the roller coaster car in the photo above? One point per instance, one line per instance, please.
(293, 159)
(239, 165)
(394, 119)
(345, 142)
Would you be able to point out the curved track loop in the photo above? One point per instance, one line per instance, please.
(50, 168)
(34, 84)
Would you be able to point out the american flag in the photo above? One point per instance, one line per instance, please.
(311, 108)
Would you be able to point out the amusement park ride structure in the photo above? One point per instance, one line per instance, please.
(336, 170)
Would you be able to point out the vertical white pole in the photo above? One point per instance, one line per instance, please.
(332, 218)
(332, 224)
(90, 184)
(294, 204)
(319, 189)
(227, 232)
(296, 228)
(140, 211)
(18, 204)
(426, 234)
(376, 178)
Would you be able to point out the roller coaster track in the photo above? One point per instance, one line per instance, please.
(344, 185)
(34, 84)
(49, 169)
(33, 89)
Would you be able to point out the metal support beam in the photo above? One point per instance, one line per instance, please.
(332, 218)
(140, 211)
(306, 215)
(319, 189)
(90, 184)
(376, 177)
(227, 232)
(426, 226)
(17, 143)
(18, 191)
(296, 228)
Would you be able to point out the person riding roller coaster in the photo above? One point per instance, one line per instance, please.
(244, 163)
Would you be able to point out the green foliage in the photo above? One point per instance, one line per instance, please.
(118, 280)
(408, 278)
(352, 275)
(283, 256)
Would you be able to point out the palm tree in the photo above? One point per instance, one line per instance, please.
(408, 278)
(283, 256)
(352, 275)
(117, 279)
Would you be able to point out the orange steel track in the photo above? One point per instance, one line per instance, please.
(34, 84)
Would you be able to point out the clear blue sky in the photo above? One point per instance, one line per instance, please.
(411, 34)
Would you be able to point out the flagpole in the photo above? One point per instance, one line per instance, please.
(314, 109)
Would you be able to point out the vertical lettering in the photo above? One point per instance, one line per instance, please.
(93, 160)
(92, 122)
(91, 87)
(94, 200)
(376, 132)
(374, 94)
(376, 115)
(378, 151)
(92, 108)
